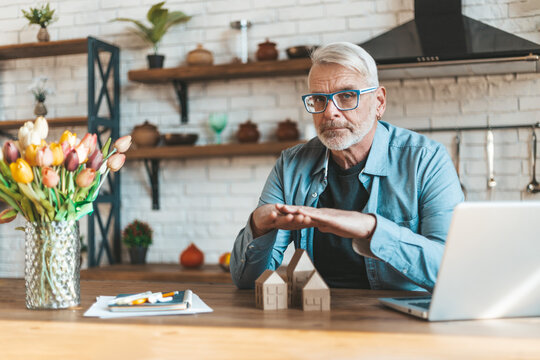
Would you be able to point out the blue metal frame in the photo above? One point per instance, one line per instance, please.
(105, 127)
(331, 97)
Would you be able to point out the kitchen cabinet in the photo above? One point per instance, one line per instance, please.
(103, 68)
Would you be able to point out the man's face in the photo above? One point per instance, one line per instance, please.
(337, 129)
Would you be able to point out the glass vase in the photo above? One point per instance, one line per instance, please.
(52, 264)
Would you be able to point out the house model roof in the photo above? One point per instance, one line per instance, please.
(315, 282)
(269, 277)
(299, 262)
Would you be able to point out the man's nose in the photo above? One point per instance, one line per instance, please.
(331, 109)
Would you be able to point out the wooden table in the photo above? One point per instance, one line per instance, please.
(357, 327)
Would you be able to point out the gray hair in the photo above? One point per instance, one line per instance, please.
(350, 56)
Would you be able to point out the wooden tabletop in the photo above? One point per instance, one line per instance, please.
(357, 326)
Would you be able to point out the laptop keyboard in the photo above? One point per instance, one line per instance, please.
(423, 304)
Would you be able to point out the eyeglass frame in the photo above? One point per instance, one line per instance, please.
(331, 97)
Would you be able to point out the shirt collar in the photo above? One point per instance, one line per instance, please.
(377, 160)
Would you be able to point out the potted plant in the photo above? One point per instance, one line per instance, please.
(137, 236)
(42, 16)
(161, 20)
(40, 94)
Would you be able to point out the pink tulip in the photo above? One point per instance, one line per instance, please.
(85, 177)
(90, 140)
(122, 144)
(116, 161)
(11, 153)
(95, 160)
(44, 157)
(66, 148)
(82, 152)
(50, 177)
(72, 161)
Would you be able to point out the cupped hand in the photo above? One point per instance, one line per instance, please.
(278, 216)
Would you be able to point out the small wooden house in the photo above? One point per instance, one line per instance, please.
(315, 294)
(299, 269)
(270, 291)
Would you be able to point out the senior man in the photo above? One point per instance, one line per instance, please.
(370, 202)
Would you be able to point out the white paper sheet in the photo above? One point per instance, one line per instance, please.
(99, 309)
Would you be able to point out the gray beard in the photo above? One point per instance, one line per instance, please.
(335, 140)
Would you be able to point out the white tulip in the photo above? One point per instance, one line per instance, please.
(41, 126)
(34, 138)
(24, 131)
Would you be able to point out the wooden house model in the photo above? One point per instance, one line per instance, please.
(270, 291)
(315, 294)
(299, 269)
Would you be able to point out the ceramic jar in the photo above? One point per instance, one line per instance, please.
(248, 133)
(287, 131)
(200, 56)
(267, 51)
(145, 135)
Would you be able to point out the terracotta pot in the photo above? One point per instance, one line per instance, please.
(287, 131)
(40, 109)
(43, 34)
(267, 51)
(191, 257)
(145, 135)
(248, 133)
(200, 56)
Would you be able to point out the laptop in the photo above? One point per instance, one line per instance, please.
(490, 267)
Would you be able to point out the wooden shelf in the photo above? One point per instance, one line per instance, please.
(221, 72)
(53, 122)
(41, 49)
(182, 152)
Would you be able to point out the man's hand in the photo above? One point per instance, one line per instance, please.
(271, 216)
(349, 224)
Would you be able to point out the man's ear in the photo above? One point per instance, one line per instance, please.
(380, 95)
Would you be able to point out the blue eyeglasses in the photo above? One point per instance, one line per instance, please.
(344, 100)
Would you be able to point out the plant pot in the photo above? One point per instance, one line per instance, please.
(40, 109)
(137, 254)
(43, 35)
(52, 264)
(155, 61)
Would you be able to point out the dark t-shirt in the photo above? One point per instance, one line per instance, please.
(335, 259)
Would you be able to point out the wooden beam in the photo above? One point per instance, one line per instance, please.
(181, 152)
(41, 49)
(53, 122)
(221, 72)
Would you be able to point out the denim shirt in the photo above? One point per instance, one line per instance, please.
(413, 189)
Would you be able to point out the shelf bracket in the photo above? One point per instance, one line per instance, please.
(152, 168)
(180, 87)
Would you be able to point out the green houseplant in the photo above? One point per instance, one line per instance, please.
(42, 16)
(137, 236)
(161, 20)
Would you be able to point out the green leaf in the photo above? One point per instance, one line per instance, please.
(105, 148)
(154, 11)
(84, 208)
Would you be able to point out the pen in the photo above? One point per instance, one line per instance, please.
(128, 299)
(152, 298)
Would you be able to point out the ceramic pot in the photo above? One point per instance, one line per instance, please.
(287, 131)
(267, 51)
(40, 109)
(155, 61)
(145, 135)
(200, 56)
(43, 35)
(137, 255)
(248, 133)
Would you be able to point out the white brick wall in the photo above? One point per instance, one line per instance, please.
(207, 201)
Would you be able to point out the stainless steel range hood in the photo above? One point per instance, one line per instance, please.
(440, 41)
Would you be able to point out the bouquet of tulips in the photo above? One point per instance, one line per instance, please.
(55, 181)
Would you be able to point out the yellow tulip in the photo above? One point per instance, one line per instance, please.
(21, 171)
(30, 154)
(58, 154)
(69, 137)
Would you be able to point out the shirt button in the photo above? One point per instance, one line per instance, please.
(251, 246)
(314, 195)
(404, 271)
